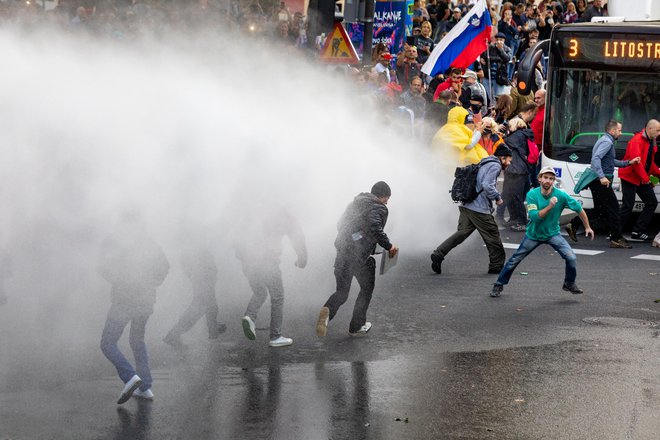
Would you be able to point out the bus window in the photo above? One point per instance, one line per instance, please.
(582, 101)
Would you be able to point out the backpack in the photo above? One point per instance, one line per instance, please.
(464, 188)
(533, 156)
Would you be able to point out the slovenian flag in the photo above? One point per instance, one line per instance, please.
(463, 44)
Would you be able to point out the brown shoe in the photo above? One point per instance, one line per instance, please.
(621, 243)
(322, 323)
(572, 233)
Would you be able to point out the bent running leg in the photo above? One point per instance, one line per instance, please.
(115, 323)
(526, 247)
(366, 277)
(562, 247)
(343, 277)
(464, 230)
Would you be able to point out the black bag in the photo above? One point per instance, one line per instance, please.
(502, 75)
(464, 188)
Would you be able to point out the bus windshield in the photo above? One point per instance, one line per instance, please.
(581, 101)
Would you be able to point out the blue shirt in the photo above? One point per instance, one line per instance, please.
(603, 159)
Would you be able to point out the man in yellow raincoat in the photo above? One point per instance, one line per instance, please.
(458, 140)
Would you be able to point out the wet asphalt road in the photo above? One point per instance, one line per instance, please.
(443, 361)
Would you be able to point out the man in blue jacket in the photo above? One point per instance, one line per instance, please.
(478, 214)
(603, 161)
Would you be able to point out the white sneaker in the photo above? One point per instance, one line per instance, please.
(248, 328)
(130, 387)
(281, 342)
(146, 395)
(362, 330)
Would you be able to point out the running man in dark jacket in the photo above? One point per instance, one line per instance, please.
(360, 229)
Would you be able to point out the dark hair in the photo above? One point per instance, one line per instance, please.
(528, 107)
(381, 189)
(612, 123)
(503, 150)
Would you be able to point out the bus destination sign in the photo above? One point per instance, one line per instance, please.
(625, 51)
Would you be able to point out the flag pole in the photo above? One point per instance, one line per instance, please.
(490, 79)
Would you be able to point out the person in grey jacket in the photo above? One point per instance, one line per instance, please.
(258, 236)
(603, 161)
(478, 214)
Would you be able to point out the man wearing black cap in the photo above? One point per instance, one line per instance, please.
(478, 214)
(496, 78)
(359, 230)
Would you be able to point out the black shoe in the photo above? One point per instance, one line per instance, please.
(174, 341)
(436, 263)
(497, 290)
(621, 243)
(573, 288)
(640, 236)
(572, 233)
(495, 271)
(221, 329)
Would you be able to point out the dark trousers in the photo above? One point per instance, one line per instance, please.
(468, 222)
(607, 206)
(203, 304)
(348, 266)
(646, 194)
(514, 192)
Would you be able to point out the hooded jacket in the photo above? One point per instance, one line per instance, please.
(457, 135)
(517, 141)
(360, 228)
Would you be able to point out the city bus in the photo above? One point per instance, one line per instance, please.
(596, 72)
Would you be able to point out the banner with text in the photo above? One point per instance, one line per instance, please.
(392, 22)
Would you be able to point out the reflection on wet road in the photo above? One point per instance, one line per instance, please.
(577, 390)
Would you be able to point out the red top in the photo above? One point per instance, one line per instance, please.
(639, 146)
(443, 86)
(537, 126)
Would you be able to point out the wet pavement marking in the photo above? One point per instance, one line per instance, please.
(577, 251)
(646, 257)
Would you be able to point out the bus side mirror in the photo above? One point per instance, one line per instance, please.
(527, 67)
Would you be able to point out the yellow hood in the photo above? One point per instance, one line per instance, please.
(454, 133)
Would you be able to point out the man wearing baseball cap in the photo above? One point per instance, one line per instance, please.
(544, 207)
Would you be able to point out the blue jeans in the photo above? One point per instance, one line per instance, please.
(118, 318)
(526, 247)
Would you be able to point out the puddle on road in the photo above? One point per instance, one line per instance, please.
(527, 392)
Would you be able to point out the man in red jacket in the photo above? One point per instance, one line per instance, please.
(635, 179)
(537, 123)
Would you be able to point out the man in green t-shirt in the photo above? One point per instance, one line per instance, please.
(544, 207)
